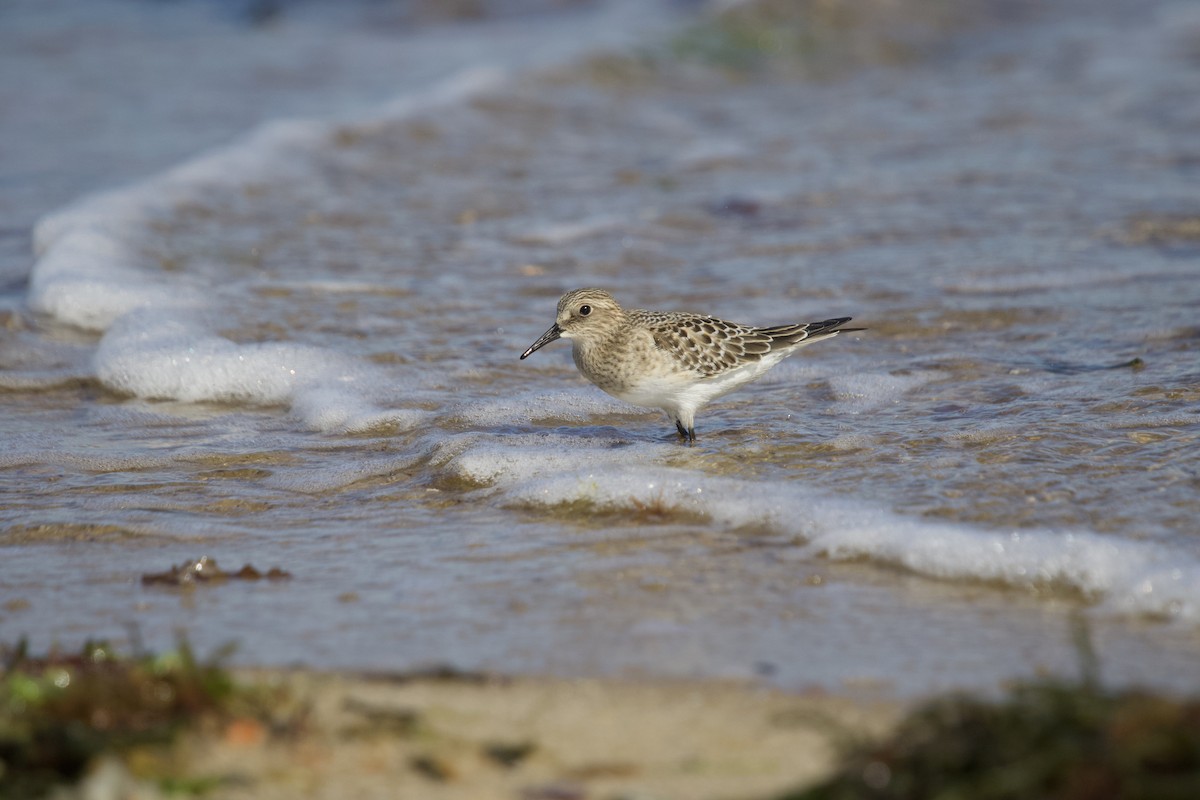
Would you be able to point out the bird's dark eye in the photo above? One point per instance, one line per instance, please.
(585, 310)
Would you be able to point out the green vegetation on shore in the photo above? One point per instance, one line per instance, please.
(820, 37)
(1048, 739)
(1061, 739)
(59, 712)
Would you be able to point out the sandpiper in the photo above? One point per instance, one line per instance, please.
(675, 361)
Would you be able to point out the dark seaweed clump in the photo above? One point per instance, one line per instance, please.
(1061, 739)
(58, 712)
(205, 570)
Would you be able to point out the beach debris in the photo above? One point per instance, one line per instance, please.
(509, 754)
(435, 768)
(206, 570)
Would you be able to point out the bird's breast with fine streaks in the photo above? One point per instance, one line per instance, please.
(621, 361)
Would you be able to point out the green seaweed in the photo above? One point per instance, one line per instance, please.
(818, 37)
(59, 712)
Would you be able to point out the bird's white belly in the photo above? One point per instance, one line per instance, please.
(659, 391)
(675, 391)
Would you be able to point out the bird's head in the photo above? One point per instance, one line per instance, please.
(582, 314)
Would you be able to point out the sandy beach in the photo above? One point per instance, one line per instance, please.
(485, 737)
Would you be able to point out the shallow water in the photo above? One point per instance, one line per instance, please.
(301, 351)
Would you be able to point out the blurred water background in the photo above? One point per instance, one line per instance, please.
(268, 267)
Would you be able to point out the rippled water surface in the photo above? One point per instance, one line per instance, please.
(302, 351)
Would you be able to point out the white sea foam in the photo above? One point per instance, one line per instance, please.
(168, 355)
(88, 276)
(515, 460)
(346, 409)
(1121, 576)
(157, 342)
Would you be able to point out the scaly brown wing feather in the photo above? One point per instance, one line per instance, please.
(709, 346)
(705, 345)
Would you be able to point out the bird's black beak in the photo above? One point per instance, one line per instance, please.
(545, 339)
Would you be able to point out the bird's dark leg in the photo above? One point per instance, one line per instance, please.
(688, 433)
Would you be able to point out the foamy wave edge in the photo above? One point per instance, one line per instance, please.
(1121, 577)
(156, 343)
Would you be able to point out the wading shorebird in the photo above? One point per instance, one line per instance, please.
(675, 361)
